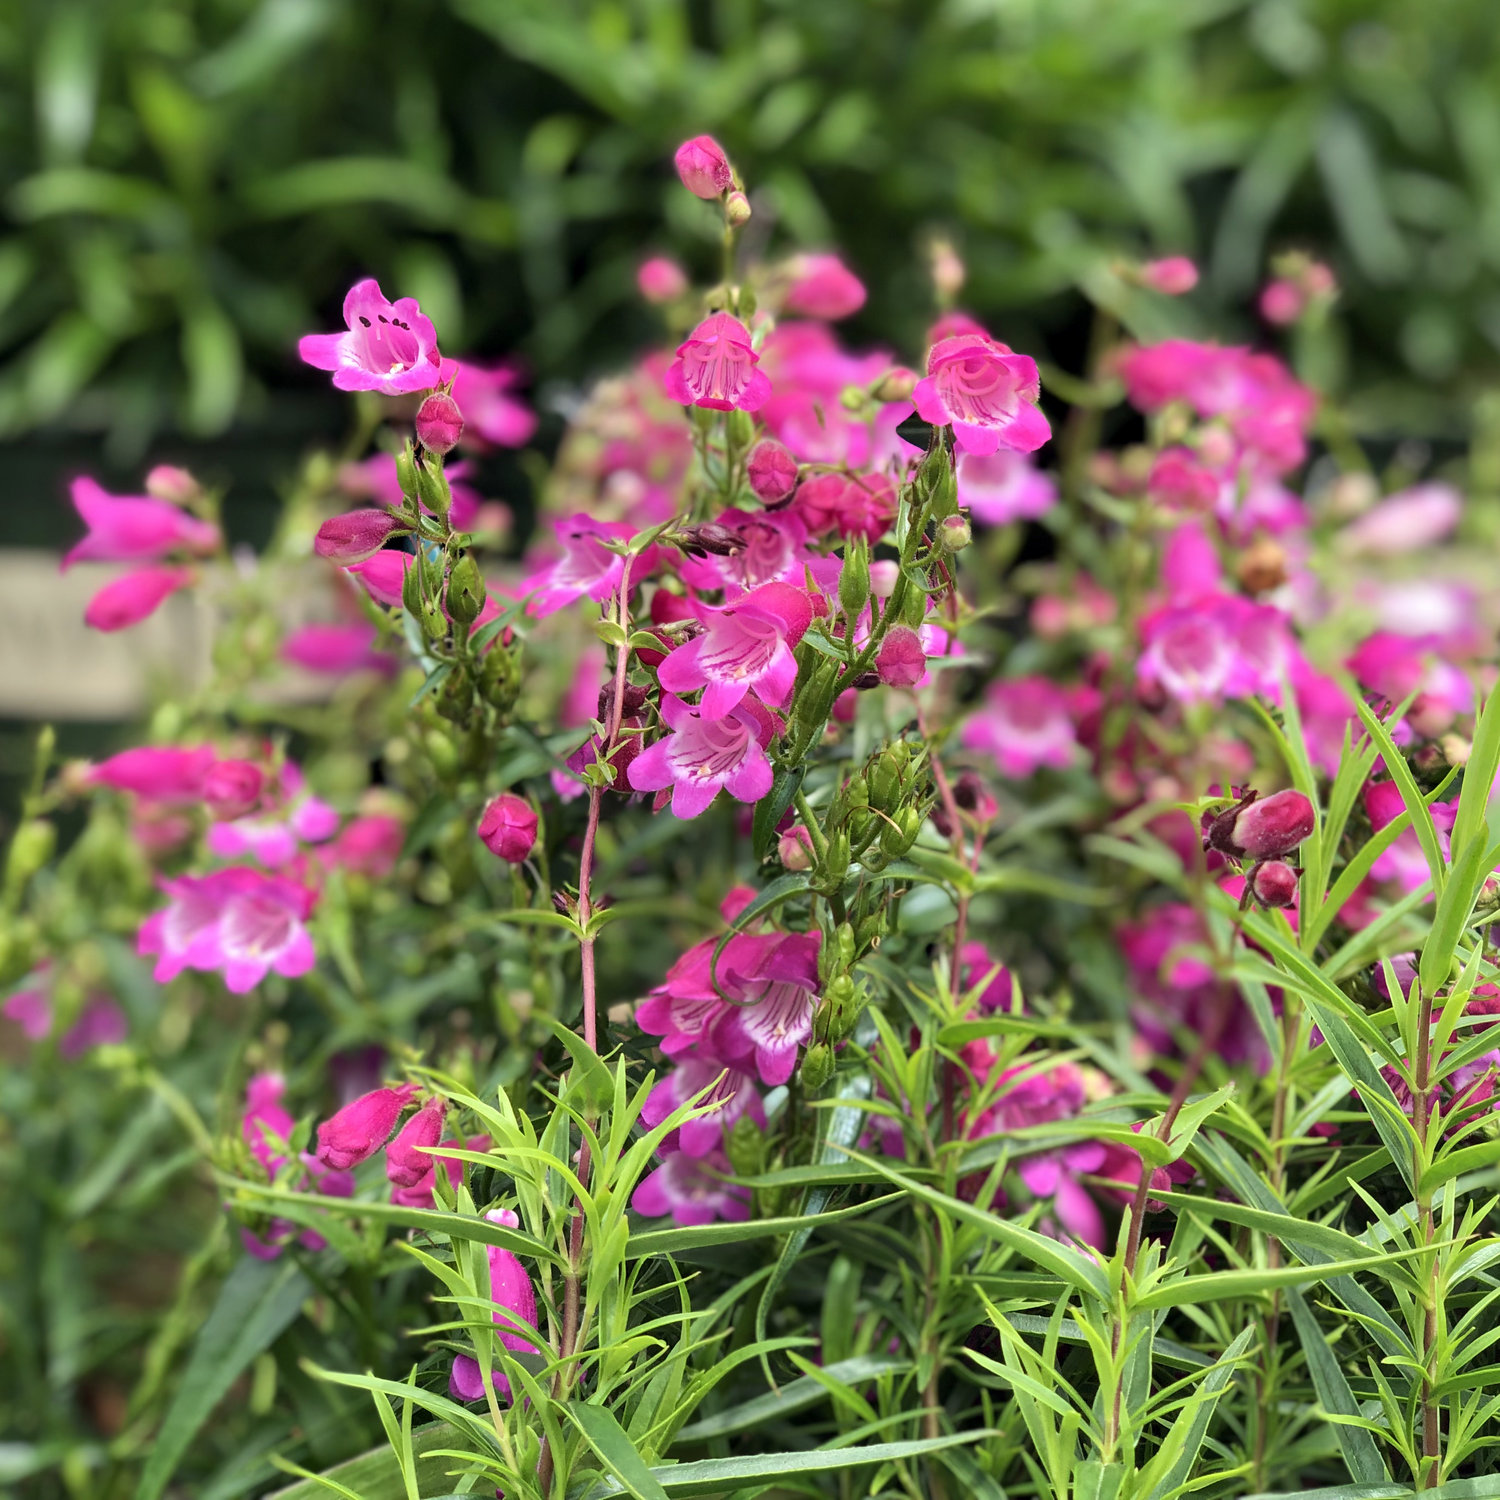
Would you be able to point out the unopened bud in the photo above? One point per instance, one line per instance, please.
(175, 486)
(31, 847)
(360, 1129)
(1262, 567)
(947, 270)
(466, 591)
(405, 1164)
(795, 849)
(440, 424)
(406, 472)
(901, 660)
(854, 578)
(771, 470)
(432, 488)
(356, 535)
(1173, 276)
(703, 167)
(660, 280)
(1263, 828)
(736, 210)
(1274, 883)
(817, 1066)
(232, 788)
(897, 384)
(507, 828)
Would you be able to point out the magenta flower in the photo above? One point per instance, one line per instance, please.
(822, 286)
(850, 504)
(335, 650)
(693, 1190)
(660, 280)
(390, 347)
(355, 535)
(1262, 827)
(266, 1125)
(492, 414)
(746, 647)
(1403, 862)
(440, 423)
(731, 1094)
(1025, 724)
(987, 394)
(715, 368)
(406, 1164)
(232, 788)
(1000, 487)
(775, 977)
(976, 966)
(157, 773)
(901, 660)
(701, 755)
(129, 600)
(752, 548)
(771, 471)
(703, 167)
(514, 1298)
(383, 575)
(370, 845)
(507, 828)
(133, 528)
(30, 1007)
(685, 1008)
(357, 1131)
(586, 567)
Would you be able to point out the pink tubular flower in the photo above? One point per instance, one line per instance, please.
(1173, 276)
(129, 600)
(492, 413)
(133, 528)
(693, 1190)
(715, 368)
(1000, 487)
(335, 650)
(703, 167)
(514, 1298)
(660, 280)
(752, 548)
(746, 647)
(420, 1193)
(771, 471)
(822, 286)
(976, 966)
(1403, 862)
(357, 1131)
(987, 394)
(1025, 724)
(685, 1008)
(586, 567)
(369, 845)
(507, 828)
(157, 773)
(850, 504)
(383, 575)
(405, 1163)
(699, 756)
(239, 920)
(389, 347)
(731, 1094)
(901, 660)
(775, 977)
(355, 535)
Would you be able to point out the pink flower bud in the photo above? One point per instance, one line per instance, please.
(362, 1127)
(405, 1165)
(660, 280)
(884, 572)
(355, 536)
(1262, 828)
(703, 167)
(1274, 883)
(896, 384)
(972, 796)
(175, 486)
(129, 600)
(1282, 302)
(440, 423)
(771, 470)
(737, 209)
(1172, 276)
(901, 661)
(507, 827)
(954, 533)
(795, 849)
(232, 788)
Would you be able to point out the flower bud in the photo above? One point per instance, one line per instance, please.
(740, 427)
(432, 488)
(440, 424)
(901, 661)
(1282, 302)
(1262, 567)
(507, 828)
(795, 849)
(1456, 749)
(466, 591)
(1263, 828)
(771, 470)
(854, 578)
(703, 167)
(1274, 883)
(736, 210)
(896, 384)
(360, 1129)
(232, 788)
(1172, 276)
(406, 472)
(817, 1066)
(954, 533)
(660, 280)
(356, 535)
(31, 846)
(405, 1165)
(175, 486)
(947, 270)
(971, 795)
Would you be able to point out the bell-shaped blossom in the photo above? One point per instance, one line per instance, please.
(157, 773)
(685, 1008)
(514, 1298)
(729, 1093)
(693, 1190)
(132, 528)
(493, 416)
(336, 650)
(406, 1163)
(1026, 723)
(774, 977)
(420, 1194)
(715, 367)
(357, 1131)
(586, 567)
(822, 286)
(749, 549)
(985, 392)
(746, 647)
(700, 755)
(389, 347)
(138, 595)
(1000, 487)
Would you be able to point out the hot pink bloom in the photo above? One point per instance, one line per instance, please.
(1179, 478)
(492, 414)
(390, 347)
(30, 1007)
(1404, 863)
(901, 660)
(661, 280)
(440, 423)
(823, 287)
(850, 504)
(715, 368)
(1281, 302)
(771, 471)
(406, 1164)
(699, 756)
(703, 167)
(692, 1189)
(232, 788)
(129, 600)
(999, 993)
(420, 1193)
(586, 566)
(747, 646)
(335, 649)
(133, 528)
(355, 535)
(369, 845)
(1025, 724)
(685, 1008)
(357, 1131)
(754, 548)
(1000, 487)
(775, 977)
(1406, 522)
(515, 1311)
(731, 1094)
(1396, 666)
(1173, 276)
(383, 576)
(1217, 646)
(987, 393)
(237, 920)
(157, 773)
(507, 827)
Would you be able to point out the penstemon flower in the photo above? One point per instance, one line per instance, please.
(389, 347)
(985, 392)
(700, 755)
(715, 368)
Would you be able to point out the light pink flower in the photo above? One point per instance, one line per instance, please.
(1025, 724)
(383, 576)
(731, 1094)
(1173, 276)
(747, 646)
(699, 756)
(492, 414)
(30, 1007)
(157, 773)
(129, 600)
(703, 167)
(715, 368)
(987, 393)
(1404, 523)
(586, 567)
(1282, 302)
(1000, 487)
(133, 528)
(822, 286)
(692, 1189)
(389, 347)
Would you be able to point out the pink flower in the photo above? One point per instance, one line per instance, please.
(823, 287)
(753, 548)
(703, 167)
(265, 1123)
(238, 920)
(693, 1190)
(1404, 523)
(420, 1193)
(30, 1008)
(1000, 487)
(406, 1164)
(1179, 478)
(747, 646)
(357, 1131)
(440, 423)
(1403, 862)
(850, 504)
(1274, 883)
(491, 413)
(1025, 724)
(336, 650)
(507, 828)
(685, 1008)
(715, 368)
(176, 486)
(355, 535)
(999, 993)
(987, 393)
(1281, 302)
(390, 347)
(157, 773)
(660, 280)
(901, 660)
(1263, 827)
(587, 566)
(232, 788)
(515, 1311)
(771, 471)
(129, 600)
(774, 976)
(383, 576)
(1173, 276)
(731, 1094)
(132, 528)
(700, 755)
(369, 845)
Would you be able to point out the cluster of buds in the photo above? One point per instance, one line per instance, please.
(1262, 831)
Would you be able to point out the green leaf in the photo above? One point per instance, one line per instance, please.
(1216, 1286)
(771, 808)
(1361, 1456)
(700, 1236)
(616, 1452)
(256, 1304)
(1479, 779)
(1465, 878)
(1411, 794)
(1191, 1425)
(593, 1074)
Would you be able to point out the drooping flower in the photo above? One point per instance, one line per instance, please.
(357, 1131)
(406, 1164)
(822, 286)
(383, 575)
(703, 167)
(515, 1311)
(987, 393)
(701, 755)
(130, 528)
(1000, 487)
(715, 368)
(693, 1190)
(129, 600)
(356, 535)
(1025, 723)
(389, 346)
